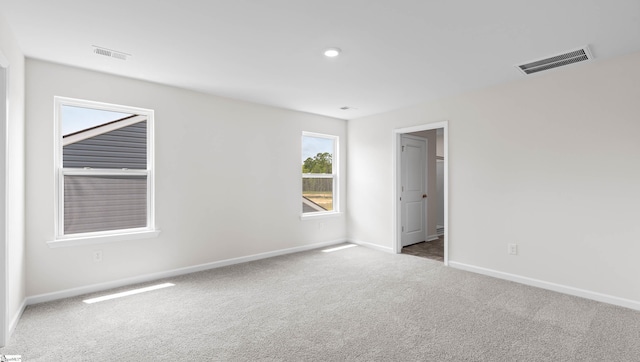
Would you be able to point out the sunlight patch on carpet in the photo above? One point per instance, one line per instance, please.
(339, 248)
(127, 293)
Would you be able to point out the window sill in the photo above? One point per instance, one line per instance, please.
(101, 239)
(320, 215)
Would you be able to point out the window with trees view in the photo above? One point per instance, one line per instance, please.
(319, 173)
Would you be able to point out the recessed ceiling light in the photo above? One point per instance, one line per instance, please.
(332, 52)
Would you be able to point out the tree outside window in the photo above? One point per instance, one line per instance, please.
(318, 173)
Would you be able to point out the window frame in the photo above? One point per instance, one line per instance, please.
(335, 175)
(62, 239)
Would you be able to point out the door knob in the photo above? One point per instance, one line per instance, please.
(424, 196)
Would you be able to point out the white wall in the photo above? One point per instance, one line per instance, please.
(440, 176)
(440, 192)
(549, 162)
(440, 143)
(228, 180)
(15, 196)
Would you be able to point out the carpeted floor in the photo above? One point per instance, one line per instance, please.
(355, 304)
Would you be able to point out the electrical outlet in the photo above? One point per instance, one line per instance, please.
(97, 256)
(512, 249)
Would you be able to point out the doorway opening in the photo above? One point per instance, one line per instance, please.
(421, 191)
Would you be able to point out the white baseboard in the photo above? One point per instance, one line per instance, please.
(13, 323)
(432, 237)
(16, 318)
(604, 298)
(386, 249)
(41, 298)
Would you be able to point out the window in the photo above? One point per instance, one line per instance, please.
(319, 173)
(104, 169)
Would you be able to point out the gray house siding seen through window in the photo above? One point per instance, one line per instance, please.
(102, 202)
(121, 148)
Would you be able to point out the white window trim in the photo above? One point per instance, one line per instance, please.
(60, 239)
(319, 215)
(335, 167)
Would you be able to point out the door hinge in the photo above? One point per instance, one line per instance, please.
(403, 229)
(402, 148)
(402, 188)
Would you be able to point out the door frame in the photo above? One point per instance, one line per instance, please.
(396, 182)
(4, 138)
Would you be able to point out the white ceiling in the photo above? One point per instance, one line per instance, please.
(395, 52)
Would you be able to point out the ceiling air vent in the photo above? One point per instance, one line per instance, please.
(575, 56)
(110, 53)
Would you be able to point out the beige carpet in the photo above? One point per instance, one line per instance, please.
(354, 304)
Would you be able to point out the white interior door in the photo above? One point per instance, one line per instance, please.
(412, 193)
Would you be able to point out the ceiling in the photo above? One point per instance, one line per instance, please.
(394, 52)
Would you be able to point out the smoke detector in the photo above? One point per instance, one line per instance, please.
(570, 57)
(110, 53)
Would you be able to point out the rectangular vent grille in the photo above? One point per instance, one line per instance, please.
(103, 52)
(110, 53)
(571, 57)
